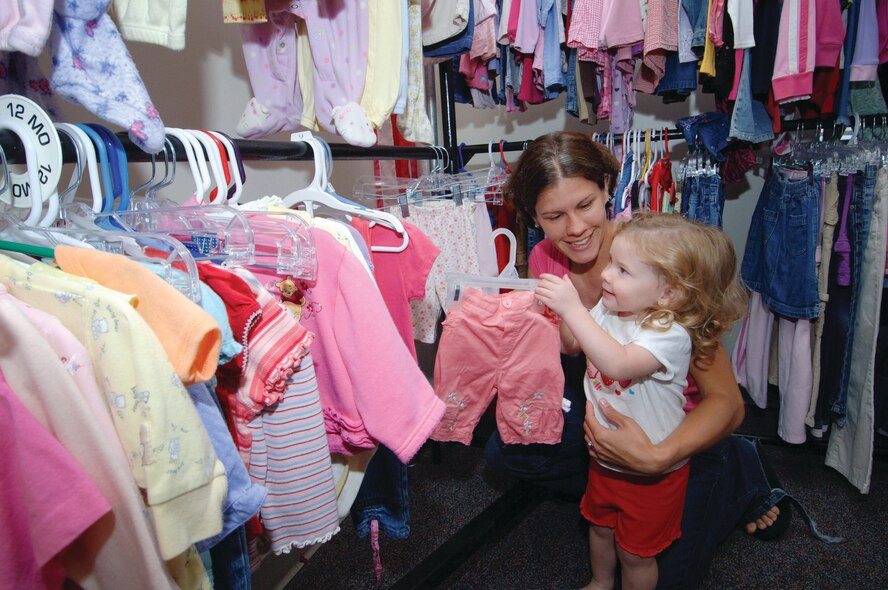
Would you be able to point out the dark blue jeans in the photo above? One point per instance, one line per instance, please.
(703, 199)
(727, 487)
(571, 102)
(709, 130)
(698, 15)
(383, 497)
(835, 331)
(231, 562)
(779, 261)
(859, 217)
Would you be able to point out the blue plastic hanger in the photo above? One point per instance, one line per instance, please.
(119, 165)
(104, 166)
(123, 165)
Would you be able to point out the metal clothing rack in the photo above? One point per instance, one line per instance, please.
(250, 149)
(828, 126)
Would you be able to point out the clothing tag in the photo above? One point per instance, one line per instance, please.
(209, 244)
(402, 201)
(457, 196)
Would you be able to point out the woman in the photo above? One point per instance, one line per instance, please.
(561, 184)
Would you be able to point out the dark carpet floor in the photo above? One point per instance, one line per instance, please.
(540, 543)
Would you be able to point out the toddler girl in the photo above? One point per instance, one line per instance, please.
(668, 294)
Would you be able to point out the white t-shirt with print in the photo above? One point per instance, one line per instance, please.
(657, 401)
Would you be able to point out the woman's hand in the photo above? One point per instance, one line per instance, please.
(559, 294)
(626, 446)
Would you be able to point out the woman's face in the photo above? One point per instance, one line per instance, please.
(572, 214)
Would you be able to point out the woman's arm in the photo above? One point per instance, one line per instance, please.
(717, 415)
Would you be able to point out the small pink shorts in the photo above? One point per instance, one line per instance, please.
(506, 346)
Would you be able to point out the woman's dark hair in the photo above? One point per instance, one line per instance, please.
(554, 156)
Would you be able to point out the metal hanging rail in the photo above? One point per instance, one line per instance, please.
(250, 149)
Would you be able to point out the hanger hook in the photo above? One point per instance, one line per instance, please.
(169, 170)
(5, 171)
(148, 182)
(77, 178)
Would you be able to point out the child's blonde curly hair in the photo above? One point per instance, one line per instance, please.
(699, 261)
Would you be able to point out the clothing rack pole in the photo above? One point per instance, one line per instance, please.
(828, 125)
(250, 149)
(468, 151)
(448, 114)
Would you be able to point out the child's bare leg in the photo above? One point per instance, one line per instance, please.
(638, 573)
(603, 556)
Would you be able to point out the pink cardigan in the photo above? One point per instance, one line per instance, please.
(370, 386)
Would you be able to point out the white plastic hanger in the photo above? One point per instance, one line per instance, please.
(210, 152)
(87, 151)
(200, 175)
(313, 196)
(510, 271)
(234, 166)
(77, 176)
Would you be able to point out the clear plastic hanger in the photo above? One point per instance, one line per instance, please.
(223, 234)
(152, 248)
(457, 283)
(210, 232)
(293, 250)
(144, 186)
(379, 192)
(383, 192)
(482, 184)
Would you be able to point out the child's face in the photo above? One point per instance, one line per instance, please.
(629, 286)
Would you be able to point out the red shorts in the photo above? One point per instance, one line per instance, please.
(645, 511)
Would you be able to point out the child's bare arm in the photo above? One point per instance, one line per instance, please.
(616, 360)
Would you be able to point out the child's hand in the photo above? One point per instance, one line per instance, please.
(558, 293)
